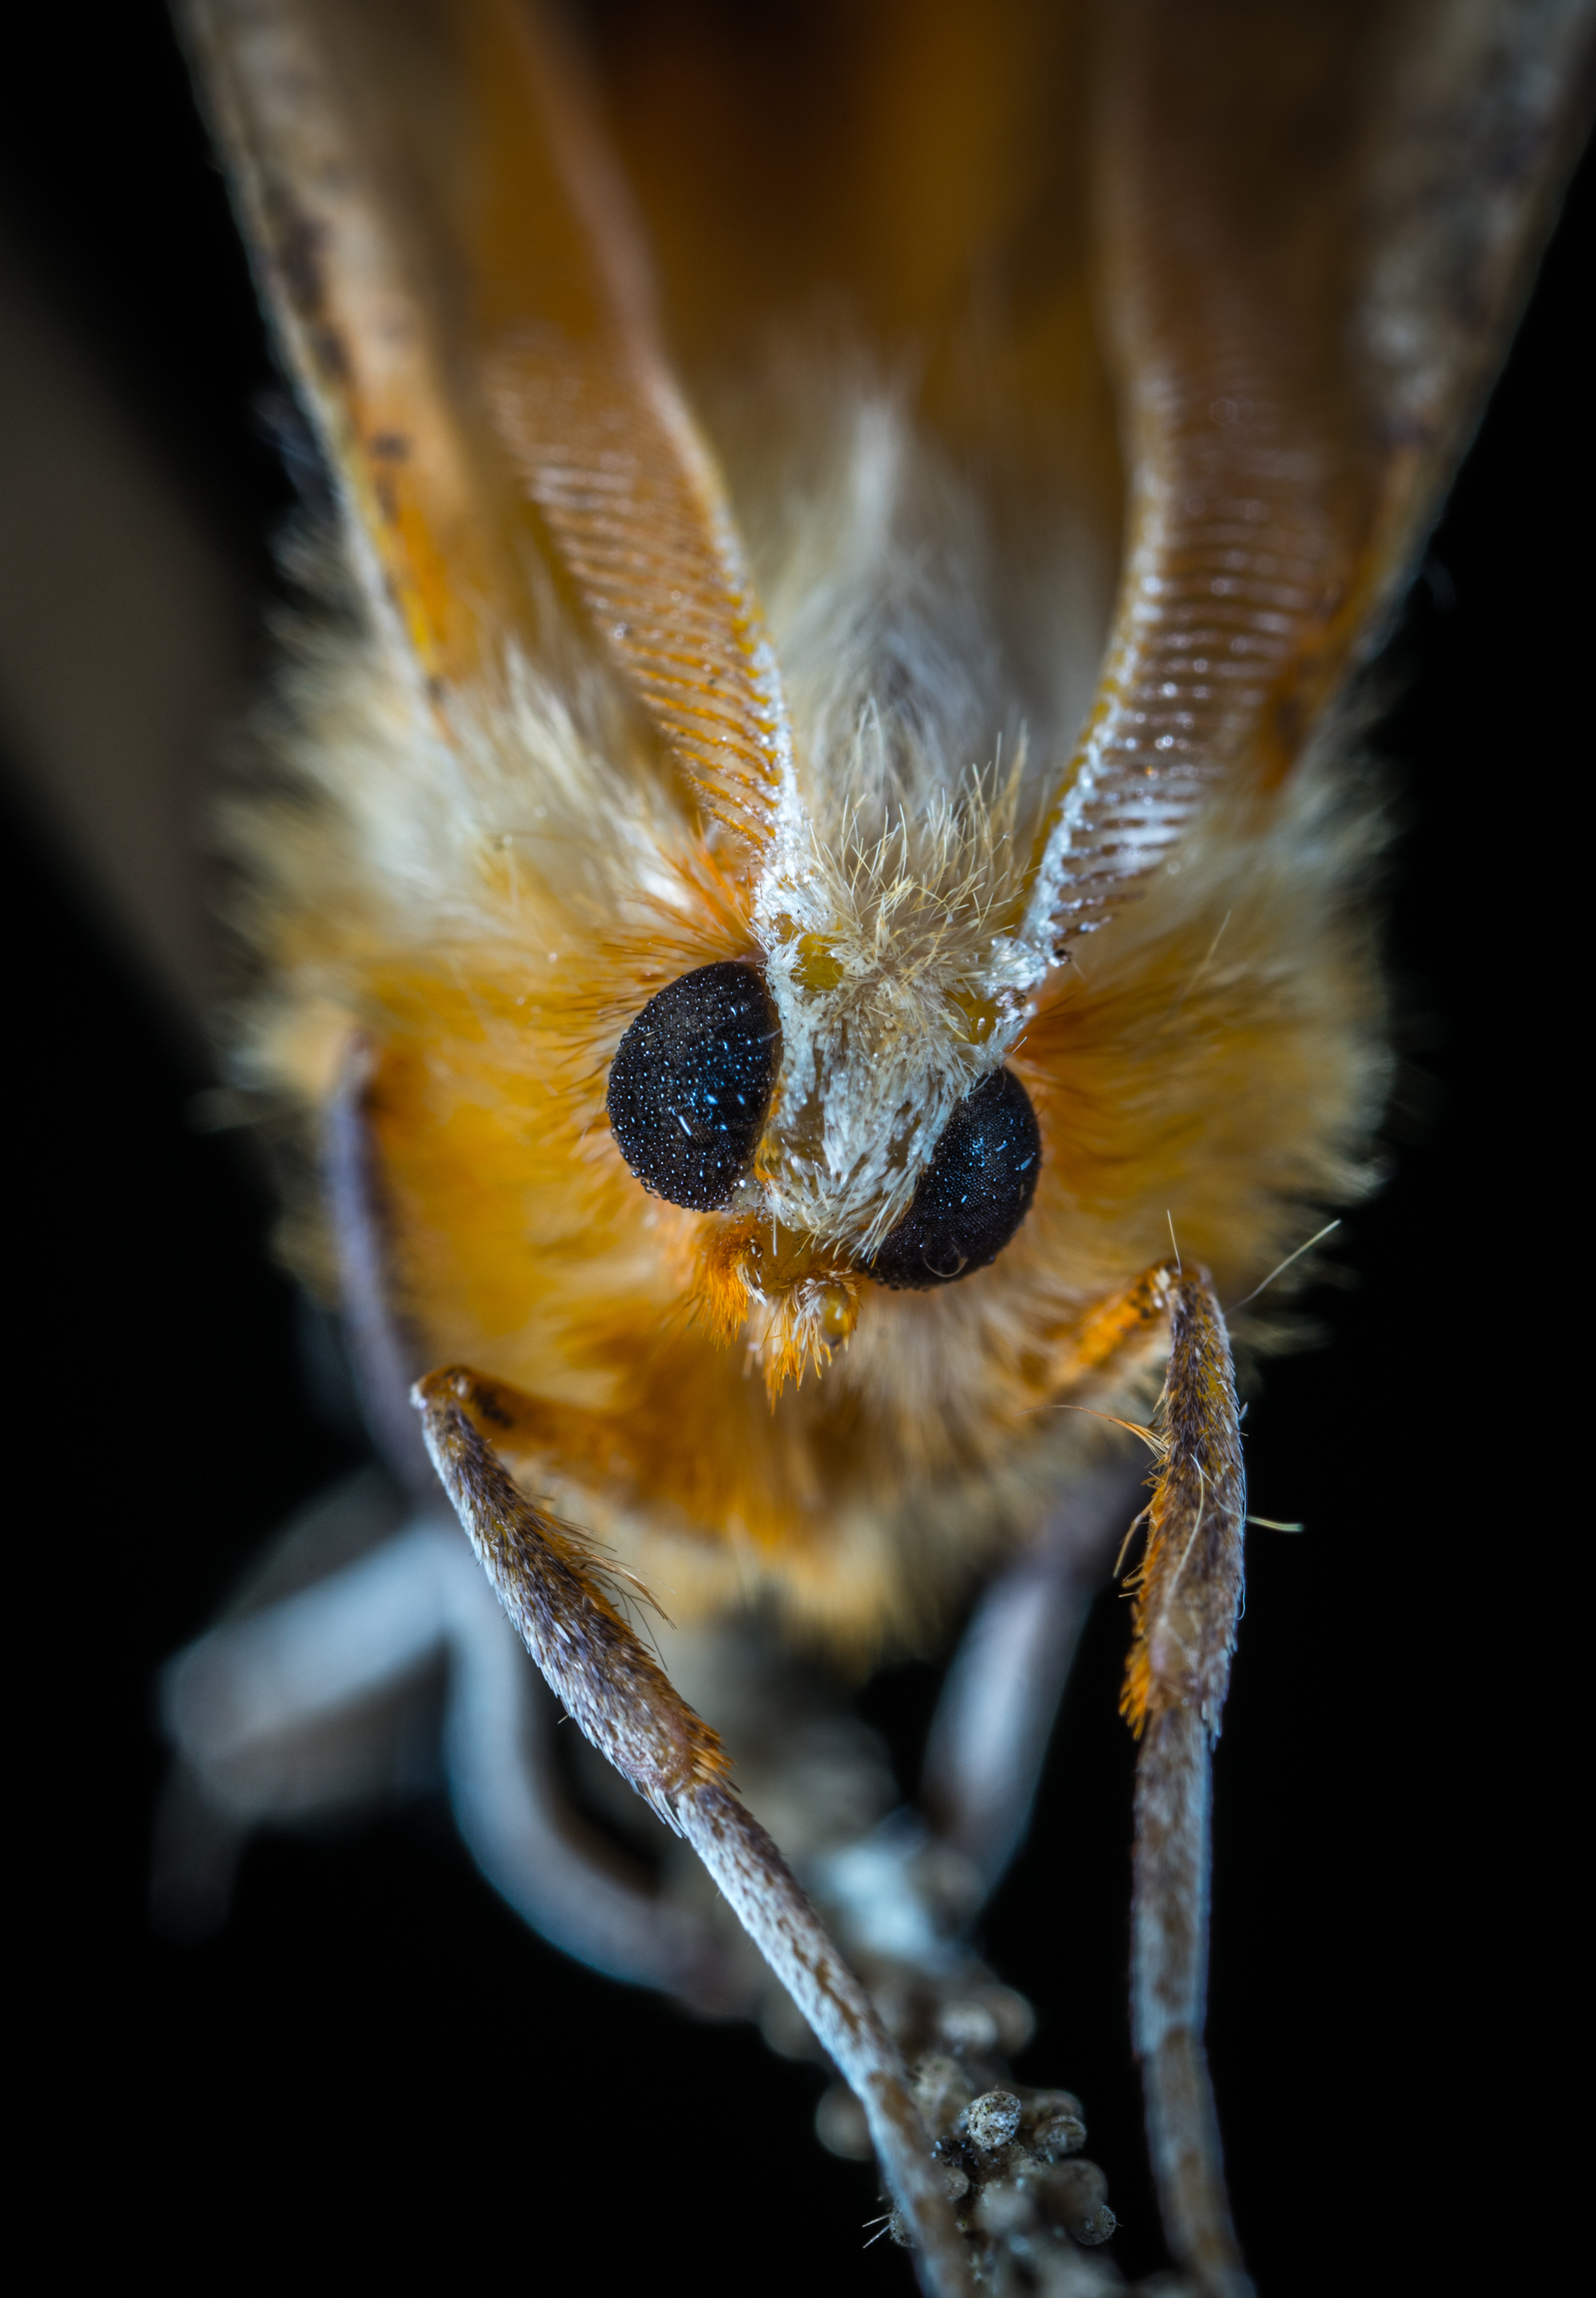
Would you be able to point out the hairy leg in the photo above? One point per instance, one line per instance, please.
(566, 1609)
(519, 1828)
(1188, 1597)
(1188, 1590)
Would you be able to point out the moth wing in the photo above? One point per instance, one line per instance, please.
(460, 292)
(1317, 227)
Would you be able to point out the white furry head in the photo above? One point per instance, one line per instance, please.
(889, 904)
(898, 987)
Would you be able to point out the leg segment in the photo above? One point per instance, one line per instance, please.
(382, 1350)
(517, 1822)
(566, 1609)
(988, 1738)
(1188, 1595)
(265, 1711)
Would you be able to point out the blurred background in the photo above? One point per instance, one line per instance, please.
(374, 2068)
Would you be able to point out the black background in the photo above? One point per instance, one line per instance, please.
(375, 2069)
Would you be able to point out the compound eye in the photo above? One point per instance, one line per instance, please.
(973, 1195)
(691, 1081)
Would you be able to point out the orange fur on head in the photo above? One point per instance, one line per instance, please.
(1076, 388)
(491, 914)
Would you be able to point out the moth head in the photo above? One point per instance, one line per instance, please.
(838, 1105)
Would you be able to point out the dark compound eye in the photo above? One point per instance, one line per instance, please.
(973, 1195)
(691, 1081)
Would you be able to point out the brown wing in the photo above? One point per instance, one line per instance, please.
(1318, 223)
(461, 296)
(1313, 226)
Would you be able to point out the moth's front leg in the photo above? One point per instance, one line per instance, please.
(1189, 1589)
(567, 1608)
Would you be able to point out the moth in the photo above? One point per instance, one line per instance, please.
(810, 888)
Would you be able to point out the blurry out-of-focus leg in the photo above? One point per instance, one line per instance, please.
(988, 1738)
(567, 1607)
(559, 1876)
(279, 1715)
(380, 1346)
(322, 1700)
